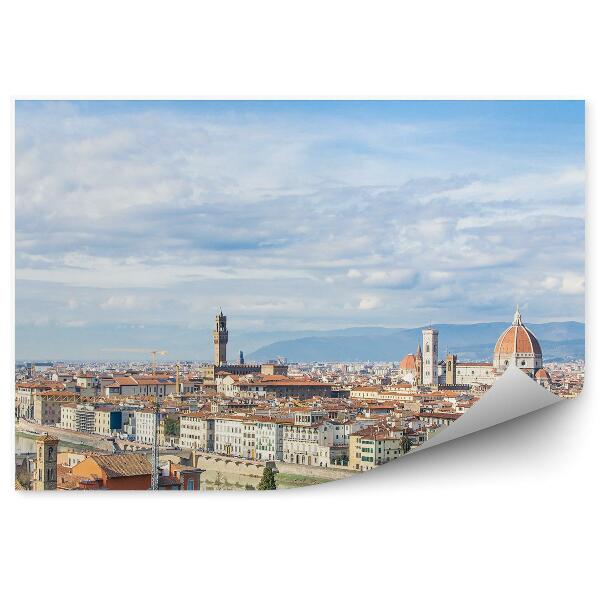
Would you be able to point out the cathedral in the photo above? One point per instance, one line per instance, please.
(517, 346)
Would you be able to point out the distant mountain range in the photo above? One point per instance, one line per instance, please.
(103, 342)
(559, 341)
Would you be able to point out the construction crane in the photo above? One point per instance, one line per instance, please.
(155, 445)
(154, 354)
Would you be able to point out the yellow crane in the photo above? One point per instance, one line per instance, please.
(154, 354)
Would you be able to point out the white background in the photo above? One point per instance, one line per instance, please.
(506, 513)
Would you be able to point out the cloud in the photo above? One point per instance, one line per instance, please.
(369, 303)
(161, 216)
(570, 284)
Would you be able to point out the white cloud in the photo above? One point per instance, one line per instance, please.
(162, 216)
(369, 303)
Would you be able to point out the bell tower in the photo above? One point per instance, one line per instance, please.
(419, 367)
(450, 369)
(430, 356)
(220, 337)
(45, 468)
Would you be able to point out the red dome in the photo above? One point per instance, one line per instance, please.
(542, 374)
(408, 362)
(517, 339)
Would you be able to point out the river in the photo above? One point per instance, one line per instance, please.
(25, 443)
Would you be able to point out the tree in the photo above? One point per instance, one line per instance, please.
(268, 480)
(406, 445)
(171, 427)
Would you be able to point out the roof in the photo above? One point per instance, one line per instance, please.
(122, 465)
(542, 374)
(517, 339)
(408, 362)
(435, 415)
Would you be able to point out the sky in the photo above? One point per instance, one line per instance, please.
(291, 216)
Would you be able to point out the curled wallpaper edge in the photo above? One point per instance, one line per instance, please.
(514, 394)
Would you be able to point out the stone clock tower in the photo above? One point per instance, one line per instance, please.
(45, 468)
(220, 337)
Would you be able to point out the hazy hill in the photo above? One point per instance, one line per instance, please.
(472, 341)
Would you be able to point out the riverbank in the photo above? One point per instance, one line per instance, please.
(67, 439)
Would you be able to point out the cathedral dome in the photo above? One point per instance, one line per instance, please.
(408, 363)
(518, 346)
(517, 339)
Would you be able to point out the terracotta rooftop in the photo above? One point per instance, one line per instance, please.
(122, 465)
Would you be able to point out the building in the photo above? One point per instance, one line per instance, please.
(114, 472)
(268, 438)
(259, 385)
(518, 346)
(472, 373)
(197, 431)
(46, 466)
(68, 413)
(233, 436)
(145, 426)
(85, 419)
(314, 439)
(407, 368)
(179, 477)
(25, 394)
(430, 356)
(47, 405)
(107, 420)
(139, 385)
(418, 380)
(365, 392)
(220, 338)
(374, 446)
(450, 369)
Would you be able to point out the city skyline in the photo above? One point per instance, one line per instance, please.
(294, 215)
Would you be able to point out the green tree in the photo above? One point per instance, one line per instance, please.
(171, 427)
(268, 480)
(406, 444)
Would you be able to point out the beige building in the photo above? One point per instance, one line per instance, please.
(313, 439)
(24, 397)
(259, 385)
(365, 392)
(374, 446)
(47, 405)
(197, 431)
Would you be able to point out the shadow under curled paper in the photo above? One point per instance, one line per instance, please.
(258, 295)
(514, 394)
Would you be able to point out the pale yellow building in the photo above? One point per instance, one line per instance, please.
(374, 446)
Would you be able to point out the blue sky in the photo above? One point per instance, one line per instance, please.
(293, 215)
